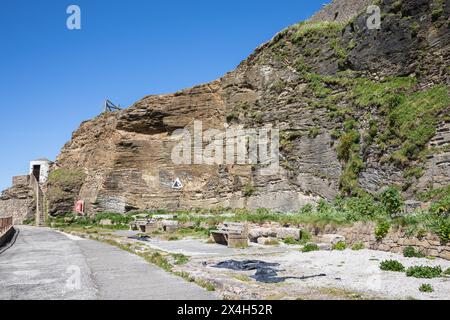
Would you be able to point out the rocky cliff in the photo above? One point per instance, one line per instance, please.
(358, 109)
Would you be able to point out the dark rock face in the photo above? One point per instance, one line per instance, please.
(309, 82)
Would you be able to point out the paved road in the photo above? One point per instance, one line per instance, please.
(46, 264)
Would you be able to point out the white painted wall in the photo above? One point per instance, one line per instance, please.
(45, 168)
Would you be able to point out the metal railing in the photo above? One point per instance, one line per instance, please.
(5, 224)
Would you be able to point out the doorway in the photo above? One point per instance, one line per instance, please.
(37, 172)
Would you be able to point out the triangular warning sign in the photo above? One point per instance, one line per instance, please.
(177, 184)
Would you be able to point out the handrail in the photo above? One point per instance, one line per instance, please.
(5, 224)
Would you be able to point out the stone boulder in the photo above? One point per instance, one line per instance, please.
(284, 233)
(256, 233)
(332, 238)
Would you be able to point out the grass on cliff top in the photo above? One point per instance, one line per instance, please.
(66, 177)
(312, 31)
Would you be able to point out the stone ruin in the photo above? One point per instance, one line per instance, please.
(25, 195)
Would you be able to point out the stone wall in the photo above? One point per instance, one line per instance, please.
(17, 201)
(18, 208)
(395, 241)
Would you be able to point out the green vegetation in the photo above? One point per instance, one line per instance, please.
(447, 272)
(292, 241)
(382, 229)
(410, 252)
(358, 246)
(249, 190)
(278, 86)
(205, 284)
(313, 132)
(392, 265)
(159, 260)
(180, 258)
(311, 32)
(424, 272)
(310, 247)
(232, 116)
(380, 208)
(426, 288)
(391, 201)
(340, 246)
(66, 177)
(118, 221)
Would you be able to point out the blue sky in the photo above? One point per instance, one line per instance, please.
(52, 78)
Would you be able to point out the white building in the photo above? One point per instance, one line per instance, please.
(40, 169)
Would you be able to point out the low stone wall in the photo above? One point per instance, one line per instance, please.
(395, 241)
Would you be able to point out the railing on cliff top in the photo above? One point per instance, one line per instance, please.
(5, 225)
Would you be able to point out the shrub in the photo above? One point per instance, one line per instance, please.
(382, 229)
(346, 141)
(341, 245)
(358, 246)
(392, 265)
(447, 272)
(310, 247)
(441, 226)
(410, 252)
(306, 209)
(364, 205)
(441, 207)
(424, 272)
(391, 200)
(426, 288)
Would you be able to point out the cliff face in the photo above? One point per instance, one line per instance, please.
(357, 110)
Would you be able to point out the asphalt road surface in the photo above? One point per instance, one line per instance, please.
(46, 264)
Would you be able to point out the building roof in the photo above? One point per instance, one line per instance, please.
(43, 160)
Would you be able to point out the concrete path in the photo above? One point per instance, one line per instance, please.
(45, 264)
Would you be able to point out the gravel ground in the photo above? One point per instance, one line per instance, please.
(349, 274)
(359, 271)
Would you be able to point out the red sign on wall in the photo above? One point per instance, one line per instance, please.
(79, 207)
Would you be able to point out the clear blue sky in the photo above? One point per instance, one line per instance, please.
(52, 78)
